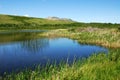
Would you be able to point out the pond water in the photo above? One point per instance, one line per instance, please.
(18, 54)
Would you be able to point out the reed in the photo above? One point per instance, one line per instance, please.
(104, 37)
(96, 67)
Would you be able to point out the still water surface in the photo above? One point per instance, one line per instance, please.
(19, 54)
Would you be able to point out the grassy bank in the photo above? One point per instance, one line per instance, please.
(105, 37)
(96, 67)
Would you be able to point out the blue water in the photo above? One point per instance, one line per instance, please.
(21, 54)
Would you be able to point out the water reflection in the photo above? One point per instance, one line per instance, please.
(6, 37)
(36, 45)
(24, 50)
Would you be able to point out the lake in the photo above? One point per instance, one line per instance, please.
(18, 51)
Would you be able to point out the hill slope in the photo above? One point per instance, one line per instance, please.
(21, 22)
(5, 19)
(9, 21)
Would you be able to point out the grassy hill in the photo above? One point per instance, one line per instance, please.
(9, 19)
(22, 22)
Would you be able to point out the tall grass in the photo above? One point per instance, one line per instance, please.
(96, 67)
(104, 37)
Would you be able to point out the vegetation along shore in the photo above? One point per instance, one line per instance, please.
(96, 67)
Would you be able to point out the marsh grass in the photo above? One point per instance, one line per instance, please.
(96, 67)
(104, 37)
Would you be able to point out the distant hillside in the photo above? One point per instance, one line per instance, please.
(9, 19)
(22, 22)
(57, 18)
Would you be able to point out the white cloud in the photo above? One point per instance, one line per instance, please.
(26, 15)
(15, 14)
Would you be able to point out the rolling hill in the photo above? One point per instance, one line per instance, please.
(21, 22)
(10, 21)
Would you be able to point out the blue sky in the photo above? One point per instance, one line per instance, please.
(79, 10)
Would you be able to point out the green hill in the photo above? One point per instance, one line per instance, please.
(22, 22)
(9, 19)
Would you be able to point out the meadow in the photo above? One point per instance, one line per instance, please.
(96, 67)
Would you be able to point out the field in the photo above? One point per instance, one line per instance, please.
(96, 67)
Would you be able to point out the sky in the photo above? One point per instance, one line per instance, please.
(105, 11)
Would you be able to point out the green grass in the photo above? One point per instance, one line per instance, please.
(96, 67)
